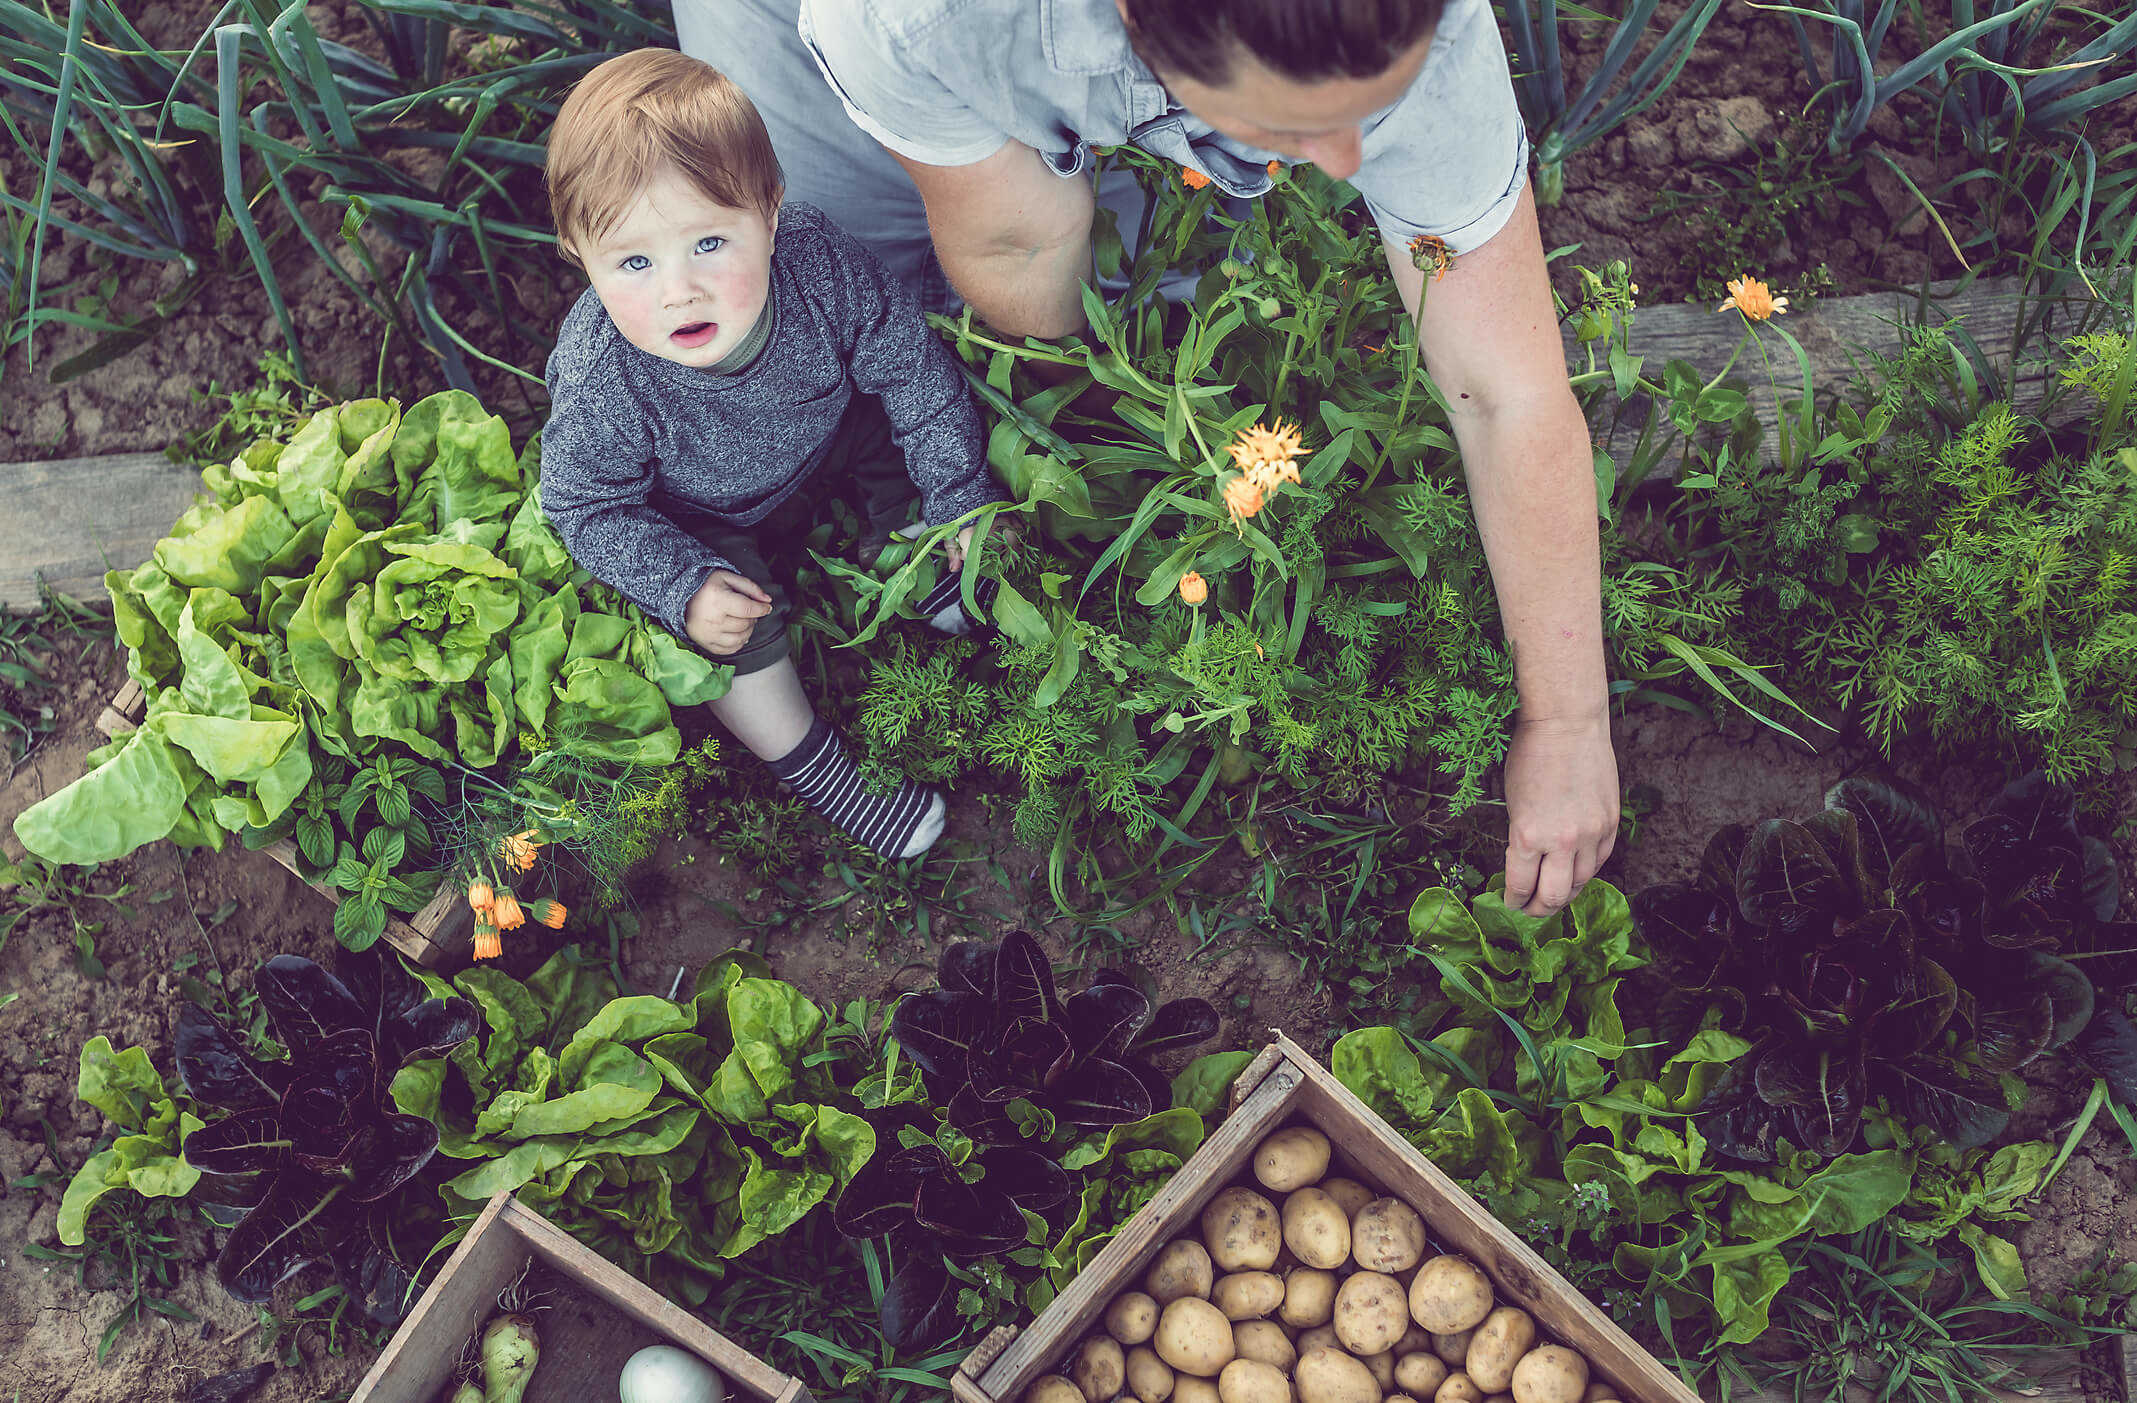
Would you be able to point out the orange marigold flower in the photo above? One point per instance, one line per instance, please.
(479, 895)
(1242, 497)
(1429, 254)
(1753, 298)
(1193, 179)
(507, 912)
(1276, 168)
(520, 849)
(487, 945)
(1193, 588)
(550, 912)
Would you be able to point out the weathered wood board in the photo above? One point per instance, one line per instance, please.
(604, 1316)
(1835, 333)
(71, 519)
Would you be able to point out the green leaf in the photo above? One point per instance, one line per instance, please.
(1997, 1262)
(1204, 1085)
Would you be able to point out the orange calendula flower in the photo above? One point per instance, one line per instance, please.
(1276, 168)
(1242, 497)
(550, 912)
(520, 849)
(479, 895)
(1193, 588)
(507, 912)
(1753, 298)
(1429, 254)
(1264, 454)
(487, 945)
(1193, 179)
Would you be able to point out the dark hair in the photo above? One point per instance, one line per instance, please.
(1301, 39)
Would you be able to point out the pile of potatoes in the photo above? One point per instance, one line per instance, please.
(1312, 1289)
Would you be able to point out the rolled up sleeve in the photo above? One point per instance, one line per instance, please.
(886, 94)
(1450, 158)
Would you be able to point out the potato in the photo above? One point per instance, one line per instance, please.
(1099, 1369)
(1458, 1387)
(1315, 1229)
(1132, 1318)
(1420, 1374)
(1503, 1338)
(1189, 1389)
(1053, 1389)
(1241, 1230)
(1371, 1314)
(1247, 1295)
(1194, 1337)
(1386, 1236)
(1309, 1297)
(1448, 1294)
(1319, 1337)
(1452, 1346)
(1292, 1159)
(1600, 1391)
(1182, 1269)
(1331, 1376)
(1500, 1398)
(1250, 1381)
(1550, 1374)
(1265, 1342)
(1399, 1398)
(1349, 1194)
(1382, 1367)
(1149, 1377)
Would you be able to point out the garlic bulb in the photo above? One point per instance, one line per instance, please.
(665, 1374)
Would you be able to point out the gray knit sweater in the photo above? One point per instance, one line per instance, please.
(627, 429)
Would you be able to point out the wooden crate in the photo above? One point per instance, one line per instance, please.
(580, 1360)
(1285, 1086)
(443, 927)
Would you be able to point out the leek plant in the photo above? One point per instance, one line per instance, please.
(1563, 122)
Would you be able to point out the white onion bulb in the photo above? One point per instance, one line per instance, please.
(665, 1374)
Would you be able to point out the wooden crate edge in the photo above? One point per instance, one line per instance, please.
(415, 937)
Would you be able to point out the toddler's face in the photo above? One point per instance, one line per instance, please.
(683, 278)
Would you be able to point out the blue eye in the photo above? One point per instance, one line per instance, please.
(636, 263)
(714, 240)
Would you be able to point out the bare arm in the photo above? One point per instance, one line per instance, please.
(1014, 238)
(1489, 333)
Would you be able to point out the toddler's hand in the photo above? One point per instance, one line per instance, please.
(1005, 534)
(723, 611)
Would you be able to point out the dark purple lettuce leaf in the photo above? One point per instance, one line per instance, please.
(2107, 954)
(366, 1267)
(919, 1305)
(1097, 1092)
(1024, 980)
(1783, 865)
(1029, 1058)
(431, 1028)
(1106, 1019)
(1736, 1121)
(2013, 1031)
(968, 1220)
(1959, 1103)
(1720, 859)
(1927, 998)
(389, 1152)
(250, 1141)
(2109, 1047)
(967, 967)
(1824, 1091)
(941, 1030)
(1031, 1178)
(307, 1005)
(881, 1197)
(1891, 817)
(214, 1070)
(1836, 832)
(2068, 989)
(1690, 931)
(1179, 1025)
(296, 1224)
(1948, 910)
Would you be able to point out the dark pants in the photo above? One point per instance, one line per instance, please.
(862, 467)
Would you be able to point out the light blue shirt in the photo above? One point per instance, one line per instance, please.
(949, 82)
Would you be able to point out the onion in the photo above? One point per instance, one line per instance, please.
(665, 1374)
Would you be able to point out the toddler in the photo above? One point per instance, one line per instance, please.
(732, 352)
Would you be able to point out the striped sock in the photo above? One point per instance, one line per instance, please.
(902, 824)
(944, 607)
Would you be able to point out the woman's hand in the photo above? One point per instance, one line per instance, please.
(1562, 809)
